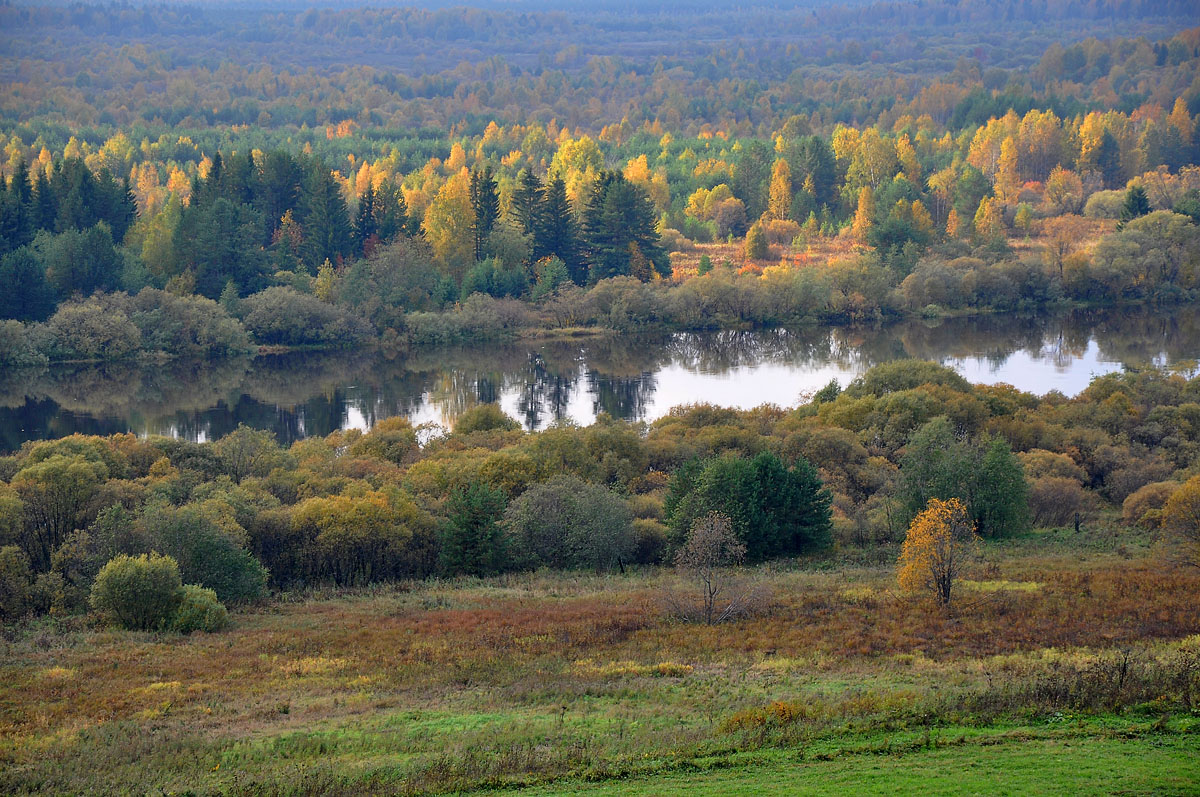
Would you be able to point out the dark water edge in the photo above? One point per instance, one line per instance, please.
(304, 394)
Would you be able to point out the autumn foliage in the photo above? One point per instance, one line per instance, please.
(939, 541)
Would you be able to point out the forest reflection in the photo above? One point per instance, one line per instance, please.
(301, 395)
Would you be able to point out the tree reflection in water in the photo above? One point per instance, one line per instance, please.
(301, 395)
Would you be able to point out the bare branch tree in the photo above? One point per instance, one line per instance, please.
(708, 556)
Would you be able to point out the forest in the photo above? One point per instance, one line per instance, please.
(864, 184)
(897, 576)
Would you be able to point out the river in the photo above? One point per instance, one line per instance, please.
(297, 396)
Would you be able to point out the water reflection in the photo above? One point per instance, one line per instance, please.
(297, 396)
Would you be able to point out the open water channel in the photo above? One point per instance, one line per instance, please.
(296, 396)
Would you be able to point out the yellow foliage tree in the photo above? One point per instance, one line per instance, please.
(989, 222)
(910, 166)
(864, 215)
(1181, 516)
(939, 542)
(953, 225)
(325, 285)
(448, 226)
(921, 218)
(1008, 181)
(779, 201)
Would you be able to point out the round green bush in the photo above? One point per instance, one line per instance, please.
(484, 418)
(140, 593)
(199, 610)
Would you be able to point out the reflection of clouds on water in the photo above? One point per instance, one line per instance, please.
(300, 395)
(1038, 372)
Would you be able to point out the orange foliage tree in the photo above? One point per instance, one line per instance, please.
(938, 543)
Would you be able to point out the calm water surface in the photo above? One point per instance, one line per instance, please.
(638, 379)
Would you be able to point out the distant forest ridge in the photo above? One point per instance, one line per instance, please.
(90, 70)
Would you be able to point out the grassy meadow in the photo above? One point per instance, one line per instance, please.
(1069, 663)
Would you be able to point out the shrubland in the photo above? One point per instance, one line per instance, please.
(243, 516)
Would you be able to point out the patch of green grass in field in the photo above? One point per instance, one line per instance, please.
(984, 764)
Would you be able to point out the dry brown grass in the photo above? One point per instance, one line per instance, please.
(536, 652)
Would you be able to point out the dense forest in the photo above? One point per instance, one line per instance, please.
(414, 175)
(971, 205)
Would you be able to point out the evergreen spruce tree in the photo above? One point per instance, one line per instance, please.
(391, 213)
(756, 243)
(126, 212)
(20, 194)
(75, 192)
(618, 226)
(556, 233)
(24, 293)
(326, 221)
(364, 221)
(775, 510)
(277, 188)
(210, 188)
(44, 208)
(527, 203)
(472, 541)
(486, 204)
(1136, 204)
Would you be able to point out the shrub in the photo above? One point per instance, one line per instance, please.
(19, 344)
(138, 593)
(199, 610)
(1104, 205)
(484, 418)
(14, 582)
(1143, 507)
(392, 439)
(1054, 500)
(205, 552)
(282, 316)
(92, 330)
(649, 541)
(1181, 516)
(782, 231)
(349, 539)
(567, 522)
(190, 326)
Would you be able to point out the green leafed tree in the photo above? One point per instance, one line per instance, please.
(472, 540)
(775, 510)
(983, 474)
(568, 523)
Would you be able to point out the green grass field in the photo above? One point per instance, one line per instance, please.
(1019, 764)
